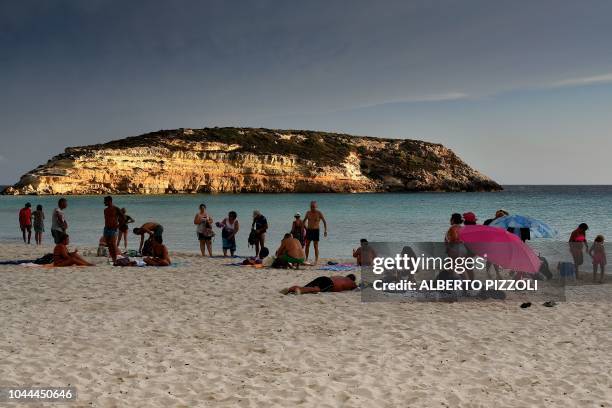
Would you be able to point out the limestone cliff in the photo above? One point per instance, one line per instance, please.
(241, 160)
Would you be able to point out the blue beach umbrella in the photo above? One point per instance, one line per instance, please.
(538, 228)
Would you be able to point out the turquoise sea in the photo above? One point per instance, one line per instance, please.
(377, 217)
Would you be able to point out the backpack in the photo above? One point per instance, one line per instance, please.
(253, 238)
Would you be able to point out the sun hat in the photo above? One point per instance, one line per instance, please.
(297, 215)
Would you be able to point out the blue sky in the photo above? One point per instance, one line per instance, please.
(521, 90)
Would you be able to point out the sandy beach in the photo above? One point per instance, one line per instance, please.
(206, 334)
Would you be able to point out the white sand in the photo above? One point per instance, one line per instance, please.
(205, 334)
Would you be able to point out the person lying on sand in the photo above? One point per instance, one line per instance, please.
(160, 253)
(324, 284)
(61, 256)
(291, 251)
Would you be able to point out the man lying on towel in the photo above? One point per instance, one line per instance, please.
(61, 256)
(324, 284)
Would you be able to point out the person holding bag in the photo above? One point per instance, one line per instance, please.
(204, 230)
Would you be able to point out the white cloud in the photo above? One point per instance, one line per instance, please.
(450, 96)
(590, 80)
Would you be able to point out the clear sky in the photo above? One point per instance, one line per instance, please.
(522, 90)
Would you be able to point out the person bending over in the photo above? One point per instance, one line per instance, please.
(160, 253)
(324, 284)
(291, 251)
(151, 228)
(61, 256)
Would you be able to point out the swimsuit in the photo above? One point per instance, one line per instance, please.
(228, 243)
(39, 223)
(312, 234)
(324, 283)
(110, 232)
(290, 259)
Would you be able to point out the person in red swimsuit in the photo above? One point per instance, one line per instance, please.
(577, 242)
(25, 222)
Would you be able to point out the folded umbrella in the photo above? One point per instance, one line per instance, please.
(538, 228)
(500, 247)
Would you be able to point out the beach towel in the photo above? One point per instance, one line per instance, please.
(258, 266)
(339, 267)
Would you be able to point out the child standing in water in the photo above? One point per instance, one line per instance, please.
(598, 253)
(39, 224)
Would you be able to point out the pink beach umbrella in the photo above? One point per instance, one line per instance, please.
(500, 247)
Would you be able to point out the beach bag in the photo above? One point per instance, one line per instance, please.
(122, 262)
(205, 228)
(253, 237)
(545, 268)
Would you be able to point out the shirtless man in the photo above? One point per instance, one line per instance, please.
(151, 228)
(324, 284)
(364, 254)
(113, 217)
(312, 219)
(291, 251)
(61, 256)
(160, 253)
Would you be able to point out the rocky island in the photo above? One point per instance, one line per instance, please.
(248, 160)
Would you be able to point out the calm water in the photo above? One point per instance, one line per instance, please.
(378, 217)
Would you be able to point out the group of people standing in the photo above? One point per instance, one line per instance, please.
(116, 220)
(29, 220)
(304, 231)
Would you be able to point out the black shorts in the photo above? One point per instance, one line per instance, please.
(324, 283)
(312, 234)
(56, 234)
(202, 237)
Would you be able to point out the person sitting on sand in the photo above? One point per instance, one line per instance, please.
(61, 256)
(160, 253)
(152, 228)
(324, 284)
(291, 251)
(102, 247)
(364, 253)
